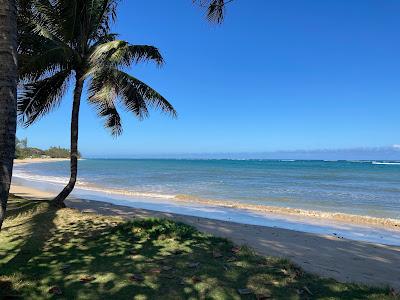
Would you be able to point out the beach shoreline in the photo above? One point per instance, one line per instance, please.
(328, 256)
(374, 232)
(179, 199)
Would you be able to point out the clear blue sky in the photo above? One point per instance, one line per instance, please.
(277, 75)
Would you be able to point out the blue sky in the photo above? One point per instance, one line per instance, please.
(277, 75)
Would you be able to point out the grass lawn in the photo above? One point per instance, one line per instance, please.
(65, 254)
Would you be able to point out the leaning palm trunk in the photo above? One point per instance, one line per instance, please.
(8, 98)
(59, 200)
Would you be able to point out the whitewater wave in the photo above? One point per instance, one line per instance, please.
(83, 185)
(385, 163)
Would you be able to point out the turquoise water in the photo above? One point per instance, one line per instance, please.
(357, 187)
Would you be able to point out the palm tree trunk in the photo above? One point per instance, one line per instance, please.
(59, 200)
(8, 98)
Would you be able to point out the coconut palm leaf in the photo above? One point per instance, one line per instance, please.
(44, 63)
(137, 96)
(108, 84)
(40, 97)
(121, 53)
(106, 14)
(108, 112)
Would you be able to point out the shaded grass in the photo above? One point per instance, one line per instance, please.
(41, 248)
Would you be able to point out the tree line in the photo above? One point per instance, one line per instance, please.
(23, 151)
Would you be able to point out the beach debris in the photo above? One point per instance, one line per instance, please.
(136, 277)
(217, 254)
(285, 272)
(307, 290)
(87, 278)
(244, 291)
(196, 279)
(193, 264)
(55, 290)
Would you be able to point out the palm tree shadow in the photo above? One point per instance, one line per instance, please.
(40, 229)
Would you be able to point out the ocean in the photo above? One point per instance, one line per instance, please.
(367, 188)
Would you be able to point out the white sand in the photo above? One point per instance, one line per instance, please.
(37, 160)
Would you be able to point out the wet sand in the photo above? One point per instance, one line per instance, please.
(327, 256)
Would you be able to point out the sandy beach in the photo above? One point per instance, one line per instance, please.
(37, 160)
(327, 256)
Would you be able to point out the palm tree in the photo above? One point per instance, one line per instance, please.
(8, 97)
(61, 39)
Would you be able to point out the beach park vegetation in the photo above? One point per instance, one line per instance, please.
(66, 254)
(23, 151)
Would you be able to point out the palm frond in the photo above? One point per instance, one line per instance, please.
(121, 53)
(215, 9)
(104, 13)
(44, 63)
(109, 84)
(41, 14)
(102, 95)
(137, 96)
(109, 113)
(38, 98)
(40, 51)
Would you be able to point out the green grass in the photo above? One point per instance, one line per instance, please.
(41, 248)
